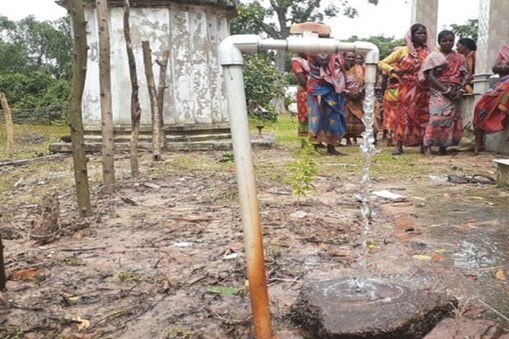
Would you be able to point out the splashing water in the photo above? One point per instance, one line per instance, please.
(368, 149)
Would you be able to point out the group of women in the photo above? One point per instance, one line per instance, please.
(421, 98)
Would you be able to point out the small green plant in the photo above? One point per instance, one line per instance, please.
(74, 261)
(129, 276)
(303, 170)
(227, 157)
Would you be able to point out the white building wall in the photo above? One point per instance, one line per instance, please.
(195, 93)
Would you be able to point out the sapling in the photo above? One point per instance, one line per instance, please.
(303, 170)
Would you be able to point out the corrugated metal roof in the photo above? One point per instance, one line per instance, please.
(227, 4)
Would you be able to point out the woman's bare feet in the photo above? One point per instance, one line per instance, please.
(426, 151)
(398, 150)
(479, 145)
(331, 150)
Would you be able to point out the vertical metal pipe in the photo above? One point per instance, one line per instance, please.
(253, 242)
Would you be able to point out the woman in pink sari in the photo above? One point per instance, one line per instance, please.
(446, 72)
(410, 117)
(491, 113)
(300, 68)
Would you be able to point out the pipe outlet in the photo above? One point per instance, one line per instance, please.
(231, 48)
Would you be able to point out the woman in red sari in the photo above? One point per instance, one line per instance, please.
(300, 68)
(354, 97)
(492, 111)
(446, 72)
(411, 115)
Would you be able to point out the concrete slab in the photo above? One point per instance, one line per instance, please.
(465, 328)
(331, 309)
(502, 171)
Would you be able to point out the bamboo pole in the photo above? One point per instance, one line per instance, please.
(3, 278)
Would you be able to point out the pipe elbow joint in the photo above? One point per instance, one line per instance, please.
(369, 50)
(231, 48)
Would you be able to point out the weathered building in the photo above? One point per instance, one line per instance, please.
(194, 103)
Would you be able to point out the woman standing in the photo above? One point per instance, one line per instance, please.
(446, 73)
(492, 111)
(300, 68)
(467, 47)
(326, 100)
(354, 96)
(411, 114)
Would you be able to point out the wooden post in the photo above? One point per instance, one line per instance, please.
(135, 102)
(152, 92)
(3, 277)
(79, 72)
(108, 143)
(163, 64)
(9, 132)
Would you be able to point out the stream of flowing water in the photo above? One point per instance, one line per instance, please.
(368, 149)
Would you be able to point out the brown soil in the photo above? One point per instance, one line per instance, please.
(150, 261)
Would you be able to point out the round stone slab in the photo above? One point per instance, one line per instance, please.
(368, 309)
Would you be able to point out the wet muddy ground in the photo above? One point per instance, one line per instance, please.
(163, 256)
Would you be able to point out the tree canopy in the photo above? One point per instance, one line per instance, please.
(35, 63)
(385, 44)
(274, 18)
(468, 30)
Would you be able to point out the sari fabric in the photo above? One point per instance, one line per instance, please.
(409, 115)
(390, 104)
(445, 126)
(326, 101)
(354, 110)
(300, 65)
(492, 111)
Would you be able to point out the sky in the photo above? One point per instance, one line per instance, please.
(393, 17)
(389, 17)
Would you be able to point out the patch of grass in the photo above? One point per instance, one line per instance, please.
(130, 276)
(284, 129)
(190, 163)
(12, 333)
(74, 261)
(177, 332)
(31, 140)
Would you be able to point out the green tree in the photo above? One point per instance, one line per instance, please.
(263, 82)
(385, 44)
(275, 18)
(29, 45)
(468, 30)
(35, 64)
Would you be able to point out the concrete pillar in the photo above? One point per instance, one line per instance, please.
(493, 33)
(426, 13)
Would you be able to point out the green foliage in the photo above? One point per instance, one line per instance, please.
(38, 93)
(225, 291)
(385, 44)
(303, 170)
(35, 64)
(260, 17)
(468, 30)
(227, 156)
(262, 83)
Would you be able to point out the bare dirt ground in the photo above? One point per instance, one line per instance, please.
(163, 257)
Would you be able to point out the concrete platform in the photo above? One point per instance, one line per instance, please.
(205, 141)
(502, 171)
(331, 309)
